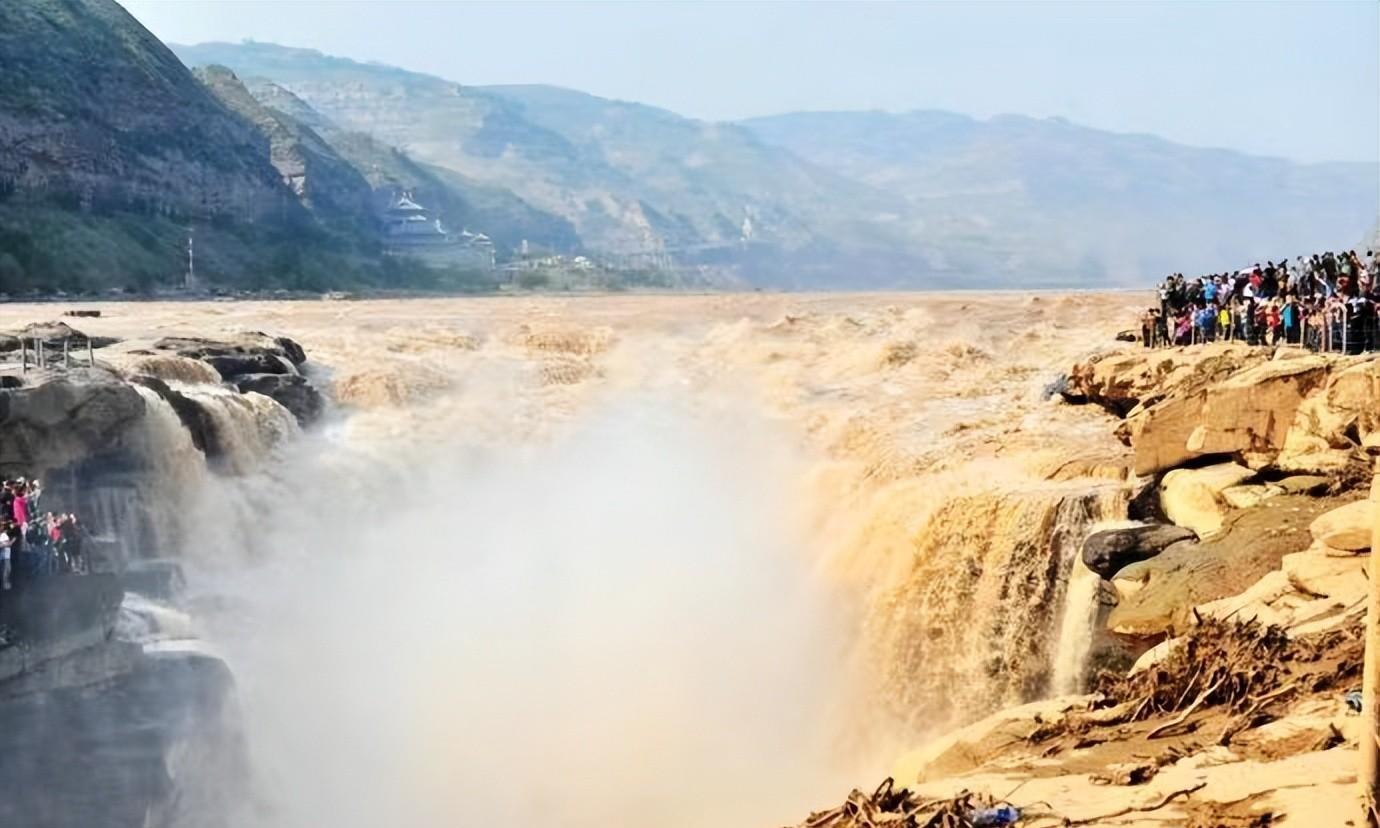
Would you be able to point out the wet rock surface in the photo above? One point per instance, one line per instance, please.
(1156, 597)
(291, 391)
(155, 746)
(59, 417)
(1110, 550)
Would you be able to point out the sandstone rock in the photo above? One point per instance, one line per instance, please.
(1328, 426)
(1193, 497)
(1354, 394)
(1251, 411)
(1304, 484)
(1156, 596)
(1107, 551)
(292, 391)
(1244, 497)
(1310, 592)
(1308, 413)
(1119, 381)
(1160, 434)
(1346, 527)
(966, 748)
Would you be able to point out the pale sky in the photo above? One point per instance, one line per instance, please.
(1294, 79)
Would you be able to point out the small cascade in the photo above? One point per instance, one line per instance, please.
(152, 513)
(142, 620)
(1075, 633)
(976, 622)
(176, 473)
(1078, 627)
(247, 427)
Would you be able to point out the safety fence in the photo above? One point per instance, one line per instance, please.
(44, 353)
(1331, 329)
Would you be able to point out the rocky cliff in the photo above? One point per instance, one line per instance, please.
(323, 181)
(113, 712)
(109, 146)
(96, 113)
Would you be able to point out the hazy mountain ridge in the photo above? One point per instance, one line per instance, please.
(633, 180)
(1131, 205)
(112, 148)
(861, 198)
(460, 202)
(311, 168)
(113, 155)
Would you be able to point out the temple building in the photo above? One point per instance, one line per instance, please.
(409, 229)
(408, 223)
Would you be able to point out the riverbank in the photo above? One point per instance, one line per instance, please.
(1231, 634)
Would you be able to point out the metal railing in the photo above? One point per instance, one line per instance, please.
(1331, 329)
(41, 358)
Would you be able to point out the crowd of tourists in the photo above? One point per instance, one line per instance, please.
(1324, 302)
(33, 543)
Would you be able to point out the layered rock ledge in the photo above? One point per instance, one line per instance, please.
(1233, 608)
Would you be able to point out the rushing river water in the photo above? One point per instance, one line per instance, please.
(701, 561)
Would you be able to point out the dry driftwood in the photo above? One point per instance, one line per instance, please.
(892, 807)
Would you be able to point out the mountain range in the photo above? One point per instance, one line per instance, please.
(281, 159)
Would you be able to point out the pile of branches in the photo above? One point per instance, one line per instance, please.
(892, 807)
(1240, 666)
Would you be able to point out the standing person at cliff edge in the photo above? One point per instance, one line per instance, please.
(21, 506)
(6, 541)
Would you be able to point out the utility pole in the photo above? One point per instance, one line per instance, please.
(190, 275)
(1369, 775)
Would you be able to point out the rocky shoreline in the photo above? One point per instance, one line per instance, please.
(1232, 609)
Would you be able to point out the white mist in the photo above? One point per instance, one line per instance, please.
(617, 626)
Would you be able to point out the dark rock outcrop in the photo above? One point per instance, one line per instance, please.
(1156, 596)
(232, 366)
(57, 418)
(1108, 551)
(100, 729)
(50, 608)
(256, 362)
(291, 391)
(251, 353)
(155, 745)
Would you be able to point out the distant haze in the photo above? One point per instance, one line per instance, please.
(1297, 80)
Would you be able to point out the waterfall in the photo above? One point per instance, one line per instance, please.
(978, 620)
(1075, 636)
(247, 427)
(1078, 626)
(154, 513)
(176, 473)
